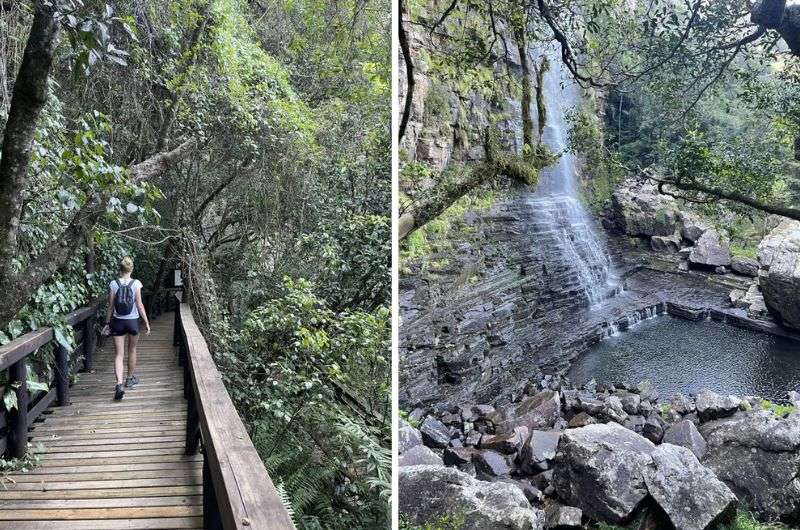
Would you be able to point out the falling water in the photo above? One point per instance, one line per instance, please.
(556, 201)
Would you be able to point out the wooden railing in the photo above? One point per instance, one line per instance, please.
(14, 424)
(237, 491)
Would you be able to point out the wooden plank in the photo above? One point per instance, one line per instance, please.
(107, 484)
(78, 514)
(52, 460)
(104, 475)
(155, 491)
(122, 446)
(23, 346)
(123, 408)
(144, 466)
(89, 432)
(41, 405)
(116, 524)
(28, 504)
(245, 492)
(117, 440)
(64, 427)
(175, 451)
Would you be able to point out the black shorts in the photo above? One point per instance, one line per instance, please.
(124, 326)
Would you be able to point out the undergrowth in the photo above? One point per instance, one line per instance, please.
(778, 409)
(445, 522)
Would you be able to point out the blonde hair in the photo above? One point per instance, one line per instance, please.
(126, 265)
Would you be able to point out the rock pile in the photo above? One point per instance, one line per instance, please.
(603, 453)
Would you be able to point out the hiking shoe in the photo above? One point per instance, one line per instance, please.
(132, 381)
(118, 393)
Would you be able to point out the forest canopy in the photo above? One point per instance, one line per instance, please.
(699, 97)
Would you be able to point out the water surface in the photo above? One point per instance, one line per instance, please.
(677, 355)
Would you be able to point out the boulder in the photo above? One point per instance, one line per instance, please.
(434, 433)
(711, 405)
(631, 403)
(581, 419)
(506, 443)
(534, 412)
(744, 266)
(560, 517)
(639, 210)
(692, 497)
(635, 423)
(685, 434)
(711, 250)
(489, 465)
(407, 437)
(613, 410)
(419, 455)
(653, 428)
(457, 456)
(779, 277)
(682, 404)
(692, 226)
(428, 493)
(758, 456)
(539, 449)
(599, 469)
(666, 243)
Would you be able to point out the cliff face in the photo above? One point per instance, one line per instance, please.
(448, 116)
(508, 307)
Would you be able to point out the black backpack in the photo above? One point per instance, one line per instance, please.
(124, 300)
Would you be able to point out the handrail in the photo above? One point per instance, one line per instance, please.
(13, 357)
(237, 490)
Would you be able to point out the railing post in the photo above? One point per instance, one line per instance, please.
(18, 419)
(89, 342)
(192, 427)
(176, 338)
(62, 376)
(211, 516)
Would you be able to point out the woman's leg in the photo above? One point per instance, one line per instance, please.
(119, 350)
(133, 340)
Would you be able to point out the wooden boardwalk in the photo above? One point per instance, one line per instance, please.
(113, 465)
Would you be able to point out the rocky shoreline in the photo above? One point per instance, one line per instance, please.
(501, 439)
(563, 457)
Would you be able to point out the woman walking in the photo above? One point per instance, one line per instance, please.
(125, 305)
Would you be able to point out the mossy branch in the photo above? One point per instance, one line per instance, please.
(519, 168)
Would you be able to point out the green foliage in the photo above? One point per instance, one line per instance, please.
(777, 408)
(351, 260)
(744, 251)
(405, 415)
(284, 370)
(436, 235)
(745, 521)
(602, 171)
(445, 522)
(31, 460)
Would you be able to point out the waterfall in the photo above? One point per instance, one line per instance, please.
(556, 203)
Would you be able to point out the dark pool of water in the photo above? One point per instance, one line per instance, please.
(677, 355)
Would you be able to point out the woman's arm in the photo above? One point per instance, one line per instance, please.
(109, 312)
(140, 307)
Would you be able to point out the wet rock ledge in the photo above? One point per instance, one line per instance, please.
(563, 457)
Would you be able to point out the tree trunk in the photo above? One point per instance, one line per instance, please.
(541, 106)
(527, 121)
(27, 101)
(409, 64)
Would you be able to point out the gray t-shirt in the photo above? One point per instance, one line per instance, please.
(136, 285)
